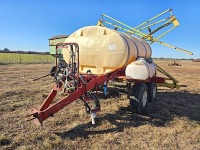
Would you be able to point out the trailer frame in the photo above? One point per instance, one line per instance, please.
(85, 83)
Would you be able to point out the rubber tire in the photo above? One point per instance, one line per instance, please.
(151, 87)
(136, 97)
(52, 71)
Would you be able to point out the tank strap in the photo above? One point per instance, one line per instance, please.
(134, 44)
(123, 35)
(150, 49)
(144, 48)
(143, 45)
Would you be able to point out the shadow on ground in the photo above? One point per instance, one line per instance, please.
(159, 113)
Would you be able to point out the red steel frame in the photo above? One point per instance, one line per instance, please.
(47, 110)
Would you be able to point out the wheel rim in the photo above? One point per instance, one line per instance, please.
(144, 98)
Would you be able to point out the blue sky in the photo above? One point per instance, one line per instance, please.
(27, 25)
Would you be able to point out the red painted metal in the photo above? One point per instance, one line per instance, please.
(157, 79)
(48, 100)
(86, 82)
(49, 112)
(45, 111)
(196, 60)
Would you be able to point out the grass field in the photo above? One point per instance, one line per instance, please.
(170, 122)
(8, 58)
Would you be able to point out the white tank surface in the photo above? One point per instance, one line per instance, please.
(140, 70)
(103, 50)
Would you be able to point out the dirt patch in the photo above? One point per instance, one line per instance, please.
(171, 122)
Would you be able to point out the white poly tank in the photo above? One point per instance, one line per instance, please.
(140, 70)
(103, 50)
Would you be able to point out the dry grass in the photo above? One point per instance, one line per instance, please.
(171, 122)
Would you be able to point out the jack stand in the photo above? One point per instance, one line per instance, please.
(93, 115)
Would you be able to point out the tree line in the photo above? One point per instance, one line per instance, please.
(6, 50)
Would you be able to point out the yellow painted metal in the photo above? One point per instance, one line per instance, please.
(154, 18)
(120, 27)
(121, 23)
(161, 70)
(99, 23)
(156, 39)
(175, 21)
(128, 29)
(172, 20)
(174, 83)
(147, 24)
(169, 85)
(176, 48)
(154, 23)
